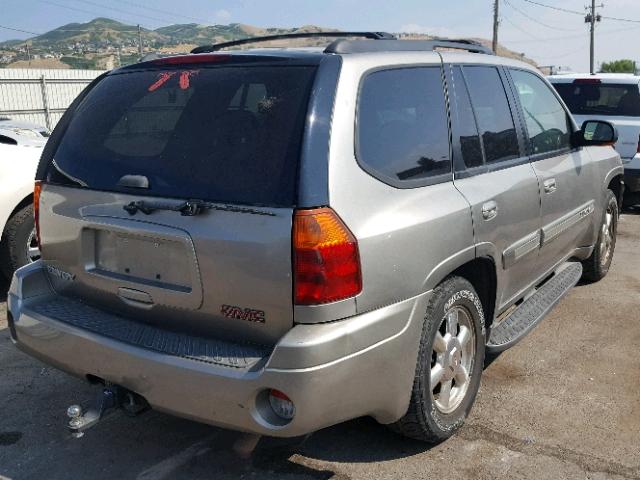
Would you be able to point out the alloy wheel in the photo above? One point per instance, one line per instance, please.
(607, 235)
(32, 250)
(452, 359)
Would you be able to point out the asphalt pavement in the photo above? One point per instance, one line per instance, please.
(562, 404)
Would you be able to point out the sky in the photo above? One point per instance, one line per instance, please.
(550, 37)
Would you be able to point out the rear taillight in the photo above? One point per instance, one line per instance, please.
(638, 149)
(326, 259)
(37, 188)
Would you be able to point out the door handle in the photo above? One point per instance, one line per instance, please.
(550, 185)
(489, 210)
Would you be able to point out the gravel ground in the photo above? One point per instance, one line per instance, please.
(563, 404)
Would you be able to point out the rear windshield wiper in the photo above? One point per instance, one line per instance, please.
(188, 208)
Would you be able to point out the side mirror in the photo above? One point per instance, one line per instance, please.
(595, 133)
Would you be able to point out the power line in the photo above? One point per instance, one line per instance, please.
(166, 12)
(620, 19)
(575, 12)
(86, 11)
(535, 20)
(572, 37)
(517, 27)
(19, 30)
(128, 13)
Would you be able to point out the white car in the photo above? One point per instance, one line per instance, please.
(22, 133)
(614, 97)
(21, 145)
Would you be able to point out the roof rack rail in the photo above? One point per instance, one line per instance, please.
(289, 36)
(364, 46)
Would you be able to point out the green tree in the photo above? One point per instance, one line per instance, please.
(619, 66)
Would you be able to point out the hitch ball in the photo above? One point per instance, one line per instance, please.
(74, 411)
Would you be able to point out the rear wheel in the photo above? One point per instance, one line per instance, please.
(19, 245)
(449, 364)
(597, 265)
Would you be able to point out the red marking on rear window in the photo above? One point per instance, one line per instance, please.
(162, 79)
(184, 78)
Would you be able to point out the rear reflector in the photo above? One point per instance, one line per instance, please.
(191, 59)
(326, 258)
(281, 404)
(586, 81)
(37, 188)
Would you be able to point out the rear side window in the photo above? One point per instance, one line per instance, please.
(403, 134)
(591, 98)
(229, 134)
(546, 120)
(493, 114)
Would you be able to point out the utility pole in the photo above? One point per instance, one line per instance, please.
(496, 23)
(140, 41)
(591, 18)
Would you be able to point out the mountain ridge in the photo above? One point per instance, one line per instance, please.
(81, 44)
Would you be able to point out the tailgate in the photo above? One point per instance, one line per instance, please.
(221, 273)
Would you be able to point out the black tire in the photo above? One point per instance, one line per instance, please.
(424, 420)
(596, 267)
(13, 252)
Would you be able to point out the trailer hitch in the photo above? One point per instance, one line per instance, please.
(109, 399)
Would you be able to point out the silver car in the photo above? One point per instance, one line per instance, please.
(279, 240)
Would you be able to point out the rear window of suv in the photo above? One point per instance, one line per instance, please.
(229, 134)
(601, 98)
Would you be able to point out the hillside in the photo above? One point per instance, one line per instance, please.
(104, 43)
(99, 30)
(102, 32)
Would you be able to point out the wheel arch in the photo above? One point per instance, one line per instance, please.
(478, 266)
(614, 180)
(616, 185)
(482, 274)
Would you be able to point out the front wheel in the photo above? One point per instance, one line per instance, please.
(449, 364)
(596, 267)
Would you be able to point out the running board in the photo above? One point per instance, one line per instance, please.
(524, 318)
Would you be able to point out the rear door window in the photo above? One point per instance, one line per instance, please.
(493, 114)
(403, 133)
(224, 133)
(590, 97)
(464, 121)
(546, 120)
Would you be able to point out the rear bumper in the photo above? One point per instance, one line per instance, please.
(333, 372)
